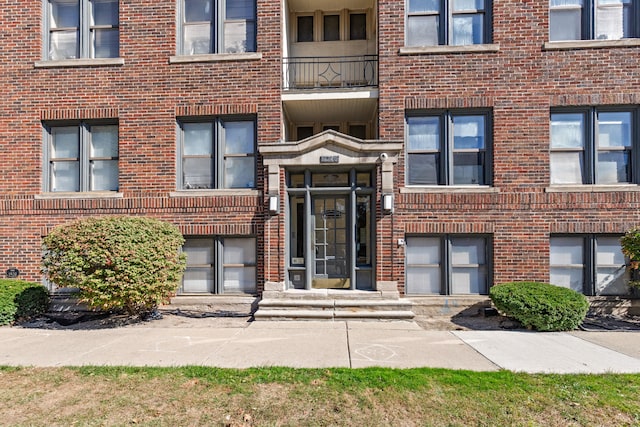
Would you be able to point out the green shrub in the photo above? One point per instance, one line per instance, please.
(20, 299)
(117, 263)
(630, 243)
(540, 306)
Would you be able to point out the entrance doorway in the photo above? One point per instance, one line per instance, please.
(329, 217)
(330, 227)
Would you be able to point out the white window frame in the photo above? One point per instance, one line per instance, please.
(218, 156)
(218, 23)
(445, 16)
(445, 264)
(218, 268)
(85, 32)
(589, 265)
(84, 159)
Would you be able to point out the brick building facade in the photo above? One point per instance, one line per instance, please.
(443, 146)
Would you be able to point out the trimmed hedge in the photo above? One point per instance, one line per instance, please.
(541, 306)
(20, 299)
(117, 263)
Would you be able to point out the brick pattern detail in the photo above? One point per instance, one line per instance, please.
(215, 110)
(628, 98)
(447, 103)
(79, 114)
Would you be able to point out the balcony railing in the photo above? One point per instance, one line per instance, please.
(330, 72)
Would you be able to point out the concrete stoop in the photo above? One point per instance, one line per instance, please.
(329, 304)
(215, 305)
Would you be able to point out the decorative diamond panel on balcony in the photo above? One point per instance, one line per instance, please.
(330, 72)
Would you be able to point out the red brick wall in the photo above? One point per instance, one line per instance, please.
(520, 83)
(146, 94)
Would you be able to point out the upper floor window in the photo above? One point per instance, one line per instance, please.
(217, 26)
(589, 264)
(593, 19)
(335, 26)
(218, 153)
(448, 148)
(82, 29)
(81, 157)
(448, 22)
(593, 146)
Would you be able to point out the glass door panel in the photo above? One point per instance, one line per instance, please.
(330, 234)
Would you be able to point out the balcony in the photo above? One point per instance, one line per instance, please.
(327, 72)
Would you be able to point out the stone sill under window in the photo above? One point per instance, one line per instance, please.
(587, 188)
(215, 193)
(590, 44)
(83, 195)
(440, 49)
(449, 189)
(215, 57)
(84, 62)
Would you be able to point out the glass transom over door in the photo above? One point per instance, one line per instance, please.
(331, 255)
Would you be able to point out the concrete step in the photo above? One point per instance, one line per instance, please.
(299, 314)
(324, 304)
(326, 308)
(323, 294)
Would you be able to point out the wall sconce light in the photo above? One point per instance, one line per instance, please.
(274, 204)
(387, 203)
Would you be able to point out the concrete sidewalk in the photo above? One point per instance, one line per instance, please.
(324, 344)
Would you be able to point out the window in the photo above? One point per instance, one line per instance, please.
(447, 265)
(593, 19)
(217, 26)
(304, 132)
(592, 146)
(219, 153)
(357, 26)
(448, 148)
(305, 28)
(448, 22)
(82, 29)
(219, 265)
(589, 264)
(333, 26)
(81, 157)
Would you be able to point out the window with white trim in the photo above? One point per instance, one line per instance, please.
(448, 148)
(217, 153)
(447, 265)
(589, 264)
(216, 26)
(448, 22)
(593, 146)
(593, 19)
(81, 29)
(81, 157)
(219, 265)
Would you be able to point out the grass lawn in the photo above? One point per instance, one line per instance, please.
(323, 397)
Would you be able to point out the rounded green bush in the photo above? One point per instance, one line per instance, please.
(541, 306)
(21, 300)
(117, 263)
(630, 243)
